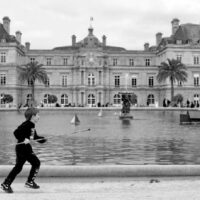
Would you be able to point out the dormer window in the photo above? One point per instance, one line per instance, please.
(32, 60)
(187, 42)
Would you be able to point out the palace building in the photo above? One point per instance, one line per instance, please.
(89, 72)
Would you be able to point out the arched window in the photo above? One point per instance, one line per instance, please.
(91, 79)
(117, 99)
(28, 97)
(150, 99)
(91, 99)
(64, 99)
(196, 99)
(1, 97)
(46, 101)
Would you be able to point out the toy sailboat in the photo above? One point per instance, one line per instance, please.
(75, 120)
(100, 114)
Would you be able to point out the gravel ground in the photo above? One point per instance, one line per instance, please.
(163, 188)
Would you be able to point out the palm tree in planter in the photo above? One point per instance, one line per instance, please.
(174, 70)
(31, 72)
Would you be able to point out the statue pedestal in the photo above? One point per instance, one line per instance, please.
(125, 116)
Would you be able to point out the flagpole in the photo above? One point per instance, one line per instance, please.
(91, 19)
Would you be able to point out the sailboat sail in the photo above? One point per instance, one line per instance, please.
(75, 120)
(100, 114)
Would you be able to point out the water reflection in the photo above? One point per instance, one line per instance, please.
(152, 137)
(126, 123)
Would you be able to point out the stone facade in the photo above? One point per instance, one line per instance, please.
(91, 73)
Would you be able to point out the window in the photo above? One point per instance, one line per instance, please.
(30, 82)
(196, 79)
(49, 61)
(196, 99)
(150, 99)
(82, 77)
(117, 81)
(196, 60)
(47, 82)
(3, 57)
(151, 81)
(147, 62)
(46, 99)
(82, 98)
(117, 99)
(91, 99)
(32, 60)
(179, 57)
(100, 77)
(1, 97)
(91, 79)
(65, 61)
(3, 79)
(131, 62)
(64, 99)
(134, 82)
(115, 62)
(64, 80)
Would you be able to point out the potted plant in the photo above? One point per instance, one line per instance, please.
(7, 98)
(52, 99)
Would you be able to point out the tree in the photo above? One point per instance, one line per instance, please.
(52, 98)
(7, 98)
(31, 72)
(174, 70)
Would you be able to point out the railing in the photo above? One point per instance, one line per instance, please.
(122, 86)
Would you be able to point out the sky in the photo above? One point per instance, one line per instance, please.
(126, 23)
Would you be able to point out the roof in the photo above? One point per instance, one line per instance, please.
(188, 32)
(5, 35)
(90, 41)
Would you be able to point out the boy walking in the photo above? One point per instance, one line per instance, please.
(24, 152)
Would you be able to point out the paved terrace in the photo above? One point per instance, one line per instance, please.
(108, 183)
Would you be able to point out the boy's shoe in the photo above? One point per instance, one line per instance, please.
(32, 184)
(6, 188)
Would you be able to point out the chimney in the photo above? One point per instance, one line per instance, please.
(73, 40)
(175, 25)
(158, 38)
(27, 44)
(6, 24)
(18, 35)
(146, 46)
(104, 40)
